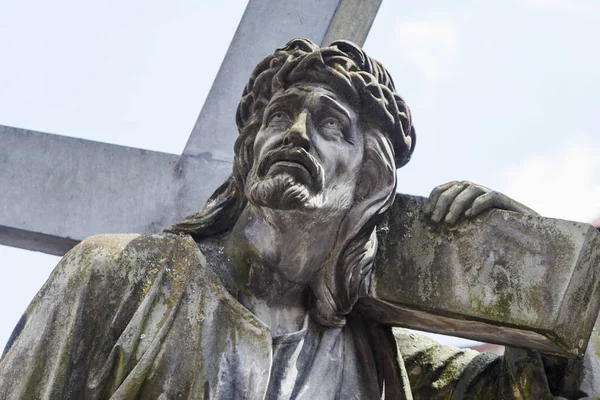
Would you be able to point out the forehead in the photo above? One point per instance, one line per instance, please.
(299, 93)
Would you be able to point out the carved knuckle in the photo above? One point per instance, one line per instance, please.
(445, 199)
(456, 207)
(484, 199)
(436, 191)
(447, 186)
(471, 192)
(479, 202)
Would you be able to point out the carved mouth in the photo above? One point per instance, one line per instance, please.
(290, 164)
(293, 159)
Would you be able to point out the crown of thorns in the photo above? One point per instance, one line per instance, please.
(344, 67)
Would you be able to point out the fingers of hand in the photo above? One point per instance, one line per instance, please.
(485, 202)
(435, 195)
(445, 200)
(462, 202)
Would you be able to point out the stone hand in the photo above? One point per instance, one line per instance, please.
(449, 202)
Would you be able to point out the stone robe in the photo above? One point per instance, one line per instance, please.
(147, 317)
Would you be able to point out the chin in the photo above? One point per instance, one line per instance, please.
(282, 192)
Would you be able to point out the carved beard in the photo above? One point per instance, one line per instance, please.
(282, 192)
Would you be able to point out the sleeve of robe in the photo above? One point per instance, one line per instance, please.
(71, 341)
(437, 371)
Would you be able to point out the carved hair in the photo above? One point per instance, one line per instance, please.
(389, 141)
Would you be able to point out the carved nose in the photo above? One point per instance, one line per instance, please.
(297, 135)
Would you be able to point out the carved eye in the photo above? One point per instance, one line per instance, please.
(278, 118)
(332, 124)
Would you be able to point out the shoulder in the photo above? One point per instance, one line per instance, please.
(118, 244)
(114, 246)
(129, 256)
(99, 249)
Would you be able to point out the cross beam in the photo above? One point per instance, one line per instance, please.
(508, 278)
(59, 190)
(62, 190)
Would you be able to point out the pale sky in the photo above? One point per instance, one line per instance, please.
(504, 94)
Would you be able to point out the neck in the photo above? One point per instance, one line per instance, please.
(276, 301)
(274, 255)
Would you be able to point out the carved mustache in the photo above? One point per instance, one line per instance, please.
(297, 155)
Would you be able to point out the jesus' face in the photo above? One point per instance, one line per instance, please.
(307, 153)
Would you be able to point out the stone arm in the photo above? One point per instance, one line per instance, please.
(436, 371)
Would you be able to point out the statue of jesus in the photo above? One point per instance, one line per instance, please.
(254, 297)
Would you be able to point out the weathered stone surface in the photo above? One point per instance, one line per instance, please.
(58, 190)
(524, 281)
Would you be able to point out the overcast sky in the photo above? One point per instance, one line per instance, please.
(503, 94)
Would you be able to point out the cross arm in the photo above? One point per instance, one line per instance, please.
(524, 281)
(58, 190)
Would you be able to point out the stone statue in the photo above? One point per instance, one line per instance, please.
(254, 297)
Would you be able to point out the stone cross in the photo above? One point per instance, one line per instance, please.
(59, 190)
